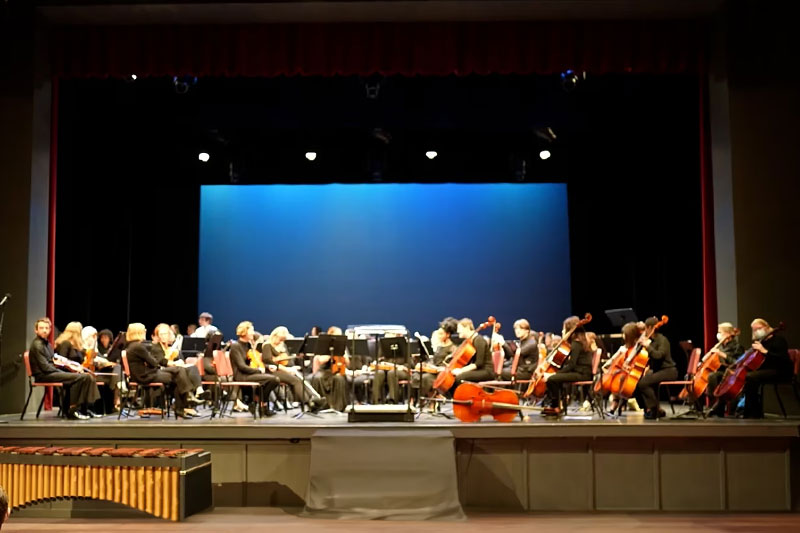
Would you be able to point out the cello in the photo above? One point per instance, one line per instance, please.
(553, 362)
(629, 366)
(709, 364)
(460, 358)
(732, 383)
(471, 402)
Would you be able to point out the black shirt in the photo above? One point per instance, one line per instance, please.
(66, 349)
(579, 360)
(732, 350)
(659, 352)
(239, 362)
(777, 356)
(528, 354)
(143, 365)
(40, 356)
(483, 356)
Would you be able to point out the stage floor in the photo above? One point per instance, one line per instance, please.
(286, 425)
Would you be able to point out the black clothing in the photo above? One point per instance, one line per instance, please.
(659, 353)
(577, 367)
(243, 372)
(82, 387)
(145, 369)
(777, 356)
(191, 371)
(528, 358)
(66, 349)
(777, 368)
(732, 350)
(483, 355)
(648, 386)
(441, 353)
(331, 386)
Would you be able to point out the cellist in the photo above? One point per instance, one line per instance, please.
(729, 351)
(577, 367)
(480, 368)
(777, 367)
(661, 367)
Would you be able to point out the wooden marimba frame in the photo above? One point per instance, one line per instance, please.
(167, 483)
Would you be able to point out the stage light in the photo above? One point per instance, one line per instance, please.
(544, 154)
(203, 156)
(311, 156)
(430, 154)
(133, 77)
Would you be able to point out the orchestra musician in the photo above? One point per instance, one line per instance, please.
(206, 328)
(111, 372)
(442, 339)
(776, 368)
(577, 367)
(272, 352)
(480, 367)
(70, 344)
(528, 348)
(82, 389)
(242, 371)
(729, 351)
(163, 339)
(660, 368)
(391, 378)
(333, 387)
(146, 369)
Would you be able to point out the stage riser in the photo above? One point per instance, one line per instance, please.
(528, 474)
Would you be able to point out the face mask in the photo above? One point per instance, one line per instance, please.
(719, 337)
(760, 334)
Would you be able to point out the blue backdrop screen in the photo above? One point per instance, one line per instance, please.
(341, 254)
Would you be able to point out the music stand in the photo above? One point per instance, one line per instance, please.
(194, 345)
(360, 347)
(620, 317)
(398, 348)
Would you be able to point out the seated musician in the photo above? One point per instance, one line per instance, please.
(70, 344)
(110, 373)
(162, 351)
(242, 371)
(273, 353)
(777, 367)
(333, 387)
(442, 339)
(480, 367)
(396, 369)
(528, 349)
(82, 389)
(728, 352)
(206, 328)
(660, 367)
(577, 367)
(146, 369)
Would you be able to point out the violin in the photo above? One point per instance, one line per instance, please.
(338, 365)
(88, 359)
(553, 362)
(628, 366)
(732, 383)
(69, 365)
(255, 359)
(459, 359)
(384, 365)
(174, 351)
(472, 402)
(709, 364)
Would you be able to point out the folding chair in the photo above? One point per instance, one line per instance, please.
(33, 383)
(222, 362)
(694, 359)
(594, 398)
(135, 388)
(216, 394)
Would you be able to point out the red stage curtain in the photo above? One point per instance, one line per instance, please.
(425, 49)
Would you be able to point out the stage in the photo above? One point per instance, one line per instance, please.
(577, 463)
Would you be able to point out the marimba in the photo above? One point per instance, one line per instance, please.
(167, 483)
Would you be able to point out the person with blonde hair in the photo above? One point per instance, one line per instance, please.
(145, 369)
(242, 371)
(776, 368)
(81, 387)
(273, 354)
(70, 343)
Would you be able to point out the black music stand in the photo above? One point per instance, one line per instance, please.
(359, 347)
(620, 317)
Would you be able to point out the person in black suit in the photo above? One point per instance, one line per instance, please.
(528, 348)
(480, 367)
(242, 371)
(146, 369)
(81, 387)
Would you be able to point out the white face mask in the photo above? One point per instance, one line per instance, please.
(719, 337)
(759, 334)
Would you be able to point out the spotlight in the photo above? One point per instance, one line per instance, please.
(311, 156)
(570, 79)
(203, 156)
(544, 154)
(430, 154)
(133, 77)
(184, 83)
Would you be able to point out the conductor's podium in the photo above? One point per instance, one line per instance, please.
(167, 483)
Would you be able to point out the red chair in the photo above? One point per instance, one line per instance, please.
(135, 388)
(32, 383)
(794, 355)
(691, 369)
(222, 362)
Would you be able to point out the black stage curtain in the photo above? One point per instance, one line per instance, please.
(411, 49)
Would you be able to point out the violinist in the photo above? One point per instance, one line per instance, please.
(273, 352)
(480, 368)
(70, 344)
(776, 368)
(333, 387)
(528, 348)
(146, 369)
(111, 373)
(728, 352)
(397, 370)
(242, 371)
(577, 367)
(82, 390)
(442, 339)
(661, 367)
(163, 351)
